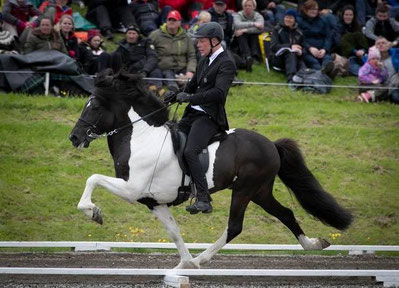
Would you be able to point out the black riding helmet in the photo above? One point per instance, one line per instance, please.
(210, 30)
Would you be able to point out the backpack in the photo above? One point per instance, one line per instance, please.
(311, 78)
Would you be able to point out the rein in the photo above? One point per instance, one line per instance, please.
(115, 131)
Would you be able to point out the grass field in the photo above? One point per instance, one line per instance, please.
(352, 148)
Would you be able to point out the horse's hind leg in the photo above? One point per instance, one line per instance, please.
(239, 203)
(266, 200)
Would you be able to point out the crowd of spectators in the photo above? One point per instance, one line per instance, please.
(336, 37)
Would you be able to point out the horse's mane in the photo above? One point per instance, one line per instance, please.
(120, 91)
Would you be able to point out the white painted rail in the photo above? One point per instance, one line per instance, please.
(92, 246)
(176, 277)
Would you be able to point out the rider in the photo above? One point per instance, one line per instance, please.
(205, 115)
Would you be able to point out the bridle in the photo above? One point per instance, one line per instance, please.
(94, 135)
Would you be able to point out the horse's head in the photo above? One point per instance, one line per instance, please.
(95, 120)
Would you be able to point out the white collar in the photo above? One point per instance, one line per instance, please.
(215, 54)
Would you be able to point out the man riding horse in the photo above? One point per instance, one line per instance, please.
(205, 115)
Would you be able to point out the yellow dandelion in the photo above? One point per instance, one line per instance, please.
(89, 235)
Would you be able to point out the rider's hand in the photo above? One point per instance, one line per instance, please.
(183, 97)
(169, 97)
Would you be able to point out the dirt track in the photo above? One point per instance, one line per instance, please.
(166, 261)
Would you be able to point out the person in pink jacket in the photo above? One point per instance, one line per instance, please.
(372, 73)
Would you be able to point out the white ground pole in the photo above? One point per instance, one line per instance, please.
(178, 278)
(94, 246)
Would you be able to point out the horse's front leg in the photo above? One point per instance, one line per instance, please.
(116, 186)
(163, 214)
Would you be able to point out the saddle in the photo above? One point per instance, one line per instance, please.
(179, 140)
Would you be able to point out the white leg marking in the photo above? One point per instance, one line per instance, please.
(312, 243)
(211, 251)
(163, 214)
(116, 186)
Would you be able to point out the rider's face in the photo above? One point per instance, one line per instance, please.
(204, 46)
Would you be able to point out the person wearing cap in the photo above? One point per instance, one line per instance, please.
(205, 114)
(90, 51)
(287, 45)
(225, 19)
(175, 50)
(248, 25)
(135, 54)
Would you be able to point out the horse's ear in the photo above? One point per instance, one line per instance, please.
(105, 78)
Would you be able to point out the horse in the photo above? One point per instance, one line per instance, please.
(137, 126)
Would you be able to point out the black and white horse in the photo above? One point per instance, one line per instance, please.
(147, 170)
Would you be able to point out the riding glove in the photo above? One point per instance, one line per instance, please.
(169, 97)
(183, 97)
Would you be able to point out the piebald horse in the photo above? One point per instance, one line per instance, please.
(147, 169)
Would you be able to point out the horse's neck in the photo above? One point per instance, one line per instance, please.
(141, 129)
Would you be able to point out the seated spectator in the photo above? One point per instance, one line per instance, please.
(90, 50)
(66, 28)
(382, 25)
(248, 25)
(175, 50)
(184, 7)
(55, 9)
(317, 38)
(135, 54)
(220, 15)
(146, 15)
(18, 15)
(287, 45)
(44, 38)
(108, 14)
(372, 73)
(366, 9)
(8, 42)
(272, 12)
(348, 39)
(203, 17)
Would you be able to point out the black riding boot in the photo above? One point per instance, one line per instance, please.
(202, 202)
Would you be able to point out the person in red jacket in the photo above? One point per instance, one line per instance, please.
(55, 9)
(18, 15)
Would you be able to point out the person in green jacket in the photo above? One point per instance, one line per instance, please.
(175, 50)
(44, 38)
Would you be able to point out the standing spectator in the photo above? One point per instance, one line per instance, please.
(317, 38)
(248, 24)
(287, 45)
(135, 54)
(146, 15)
(44, 38)
(349, 40)
(382, 25)
(55, 9)
(175, 50)
(108, 14)
(372, 73)
(272, 11)
(8, 43)
(66, 28)
(225, 19)
(90, 50)
(17, 16)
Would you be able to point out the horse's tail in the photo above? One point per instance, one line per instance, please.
(312, 197)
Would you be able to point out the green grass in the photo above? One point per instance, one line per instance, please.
(352, 148)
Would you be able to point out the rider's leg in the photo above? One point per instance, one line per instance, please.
(202, 130)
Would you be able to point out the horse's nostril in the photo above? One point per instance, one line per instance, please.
(73, 138)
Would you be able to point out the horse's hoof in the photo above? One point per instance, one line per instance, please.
(97, 215)
(324, 243)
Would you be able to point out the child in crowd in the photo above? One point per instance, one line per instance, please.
(372, 73)
(90, 50)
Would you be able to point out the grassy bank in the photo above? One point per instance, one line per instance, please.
(352, 148)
